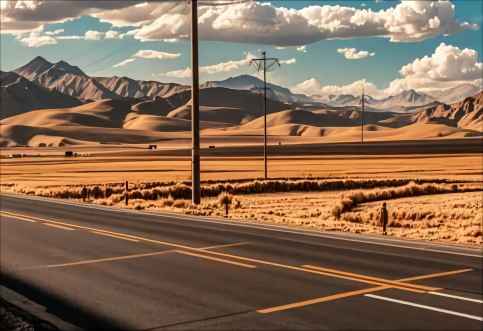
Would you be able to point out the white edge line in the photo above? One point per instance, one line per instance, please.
(445, 311)
(252, 226)
(456, 297)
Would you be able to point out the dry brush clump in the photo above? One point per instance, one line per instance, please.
(352, 200)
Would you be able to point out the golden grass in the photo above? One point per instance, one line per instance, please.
(54, 171)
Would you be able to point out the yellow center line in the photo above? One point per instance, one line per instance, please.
(377, 279)
(124, 236)
(108, 259)
(224, 246)
(355, 293)
(320, 300)
(21, 218)
(58, 226)
(114, 236)
(439, 274)
(216, 259)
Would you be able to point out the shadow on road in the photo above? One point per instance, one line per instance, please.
(60, 307)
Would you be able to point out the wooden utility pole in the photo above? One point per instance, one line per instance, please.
(362, 115)
(195, 108)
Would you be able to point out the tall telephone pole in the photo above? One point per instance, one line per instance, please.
(195, 94)
(362, 114)
(195, 108)
(265, 64)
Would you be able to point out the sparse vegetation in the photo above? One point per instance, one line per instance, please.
(181, 190)
(350, 201)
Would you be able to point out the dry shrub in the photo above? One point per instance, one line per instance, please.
(167, 202)
(181, 204)
(225, 199)
(349, 202)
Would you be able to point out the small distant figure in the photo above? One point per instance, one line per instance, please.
(383, 218)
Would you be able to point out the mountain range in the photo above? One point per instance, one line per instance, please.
(55, 104)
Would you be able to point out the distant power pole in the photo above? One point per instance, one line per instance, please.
(362, 115)
(265, 64)
(195, 108)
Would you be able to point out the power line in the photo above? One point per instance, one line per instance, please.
(265, 64)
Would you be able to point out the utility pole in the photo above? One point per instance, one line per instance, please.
(362, 116)
(195, 108)
(265, 64)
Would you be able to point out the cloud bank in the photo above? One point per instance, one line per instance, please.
(247, 22)
(447, 67)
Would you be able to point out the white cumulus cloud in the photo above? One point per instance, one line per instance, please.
(35, 40)
(448, 67)
(123, 63)
(182, 73)
(354, 54)
(149, 54)
(302, 49)
(93, 35)
(55, 32)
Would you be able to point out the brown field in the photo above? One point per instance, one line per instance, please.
(447, 214)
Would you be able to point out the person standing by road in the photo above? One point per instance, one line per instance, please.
(383, 218)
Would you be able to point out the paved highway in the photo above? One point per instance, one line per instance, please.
(102, 268)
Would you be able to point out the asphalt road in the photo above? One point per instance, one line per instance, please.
(101, 268)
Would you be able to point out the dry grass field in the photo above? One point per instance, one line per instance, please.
(99, 169)
(443, 203)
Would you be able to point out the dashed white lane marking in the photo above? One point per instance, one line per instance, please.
(113, 236)
(417, 305)
(457, 297)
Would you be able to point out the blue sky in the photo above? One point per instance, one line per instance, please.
(321, 61)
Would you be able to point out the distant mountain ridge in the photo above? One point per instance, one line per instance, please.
(254, 84)
(19, 95)
(65, 78)
(130, 88)
(71, 81)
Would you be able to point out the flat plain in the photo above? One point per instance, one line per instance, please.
(440, 215)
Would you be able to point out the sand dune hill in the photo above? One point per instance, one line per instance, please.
(409, 132)
(158, 106)
(27, 135)
(225, 105)
(18, 95)
(212, 114)
(300, 117)
(136, 121)
(104, 113)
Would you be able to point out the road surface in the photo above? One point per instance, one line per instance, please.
(103, 268)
